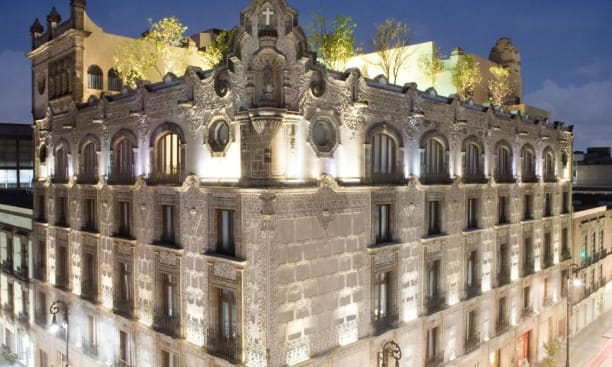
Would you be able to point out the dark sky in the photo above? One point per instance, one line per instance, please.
(565, 45)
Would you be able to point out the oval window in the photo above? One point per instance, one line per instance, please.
(222, 134)
(321, 134)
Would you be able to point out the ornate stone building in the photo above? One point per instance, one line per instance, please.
(271, 212)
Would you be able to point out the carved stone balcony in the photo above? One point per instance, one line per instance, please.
(223, 347)
(565, 253)
(529, 178)
(59, 179)
(527, 312)
(22, 272)
(503, 278)
(61, 281)
(528, 268)
(7, 266)
(121, 179)
(505, 178)
(161, 178)
(87, 179)
(431, 179)
(474, 179)
(548, 261)
(473, 291)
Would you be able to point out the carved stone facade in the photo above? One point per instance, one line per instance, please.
(305, 216)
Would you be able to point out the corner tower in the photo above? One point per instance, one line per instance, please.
(506, 54)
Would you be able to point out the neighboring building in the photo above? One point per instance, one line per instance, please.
(16, 156)
(593, 178)
(16, 291)
(274, 213)
(592, 238)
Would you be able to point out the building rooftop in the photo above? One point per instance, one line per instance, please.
(21, 198)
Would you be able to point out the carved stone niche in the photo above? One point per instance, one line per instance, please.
(266, 73)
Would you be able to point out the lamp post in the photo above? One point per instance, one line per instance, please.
(54, 309)
(572, 269)
(391, 349)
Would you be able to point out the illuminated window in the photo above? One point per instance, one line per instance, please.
(168, 156)
(471, 328)
(548, 250)
(503, 264)
(114, 82)
(472, 162)
(433, 161)
(89, 165)
(382, 297)
(123, 288)
(383, 223)
(167, 317)
(526, 300)
(383, 156)
(123, 161)
(548, 204)
(227, 315)
(549, 165)
(61, 164)
(503, 171)
(89, 276)
(94, 77)
(225, 232)
(528, 163)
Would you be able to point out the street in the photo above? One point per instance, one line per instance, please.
(592, 347)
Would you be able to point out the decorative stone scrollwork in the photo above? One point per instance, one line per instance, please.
(225, 271)
(384, 257)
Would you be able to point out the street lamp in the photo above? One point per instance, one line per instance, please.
(391, 349)
(573, 268)
(54, 309)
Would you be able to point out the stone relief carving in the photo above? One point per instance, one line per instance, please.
(225, 271)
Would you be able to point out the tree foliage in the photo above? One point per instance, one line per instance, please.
(155, 51)
(334, 42)
(389, 42)
(213, 54)
(500, 86)
(466, 76)
(432, 66)
(552, 348)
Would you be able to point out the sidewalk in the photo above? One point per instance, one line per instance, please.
(589, 342)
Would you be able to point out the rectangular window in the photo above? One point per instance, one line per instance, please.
(225, 232)
(565, 250)
(433, 217)
(124, 218)
(42, 358)
(503, 268)
(169, 359)
(383, 228)
(433, 279)
(566, 202)
(168, 290)
(502, 210)
(527, 257)
(92, 331)
(527, 299)
(42, 208)
(382, 295)
(501, 311)
(227, 315)
(432, 344)
(90, 214)
(471, 272)
(125, 283)
(61, 265)
(167, 234)
(470, 325)
(472, 213)
(527, 207)
(125, 349)
(89, 282)
(548, 204)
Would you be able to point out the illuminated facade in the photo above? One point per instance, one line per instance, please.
(275, 213)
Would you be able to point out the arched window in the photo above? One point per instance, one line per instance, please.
(168, 158)
(122, 170)
(61, 165)
(549, 165)
(383, 155)
(528, 164)
(434, 163)
(503, 172)
(94, 77)
(114, 83)
(89, 163)
(472, 161)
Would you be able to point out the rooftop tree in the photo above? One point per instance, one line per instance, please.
(334, 42)
(500, 86)
(213, 54)
(432, 66)
(466, 76)
(390, 43)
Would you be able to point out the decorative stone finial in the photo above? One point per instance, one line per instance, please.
(36, 27)
(54, 16)
(81, 3)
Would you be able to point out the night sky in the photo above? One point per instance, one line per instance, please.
(565, 45)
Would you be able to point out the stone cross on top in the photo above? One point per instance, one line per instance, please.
(268, 13)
